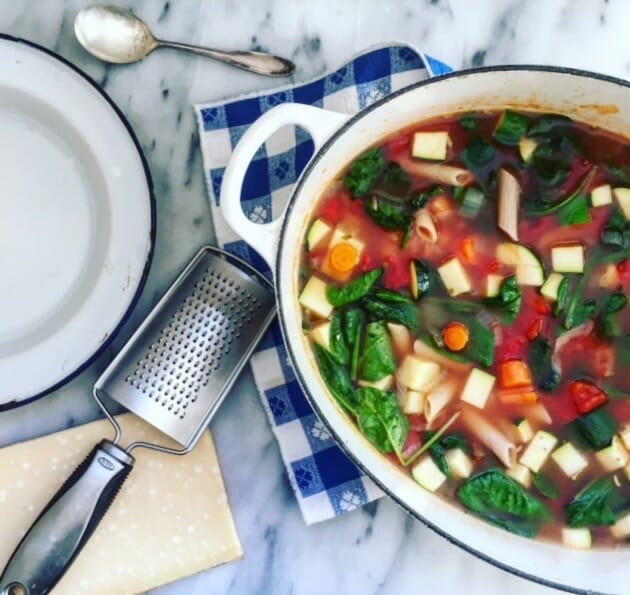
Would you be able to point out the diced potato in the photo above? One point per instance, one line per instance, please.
(521, 474)
(570, 460)
(622, 195)
(579, 538)
(613, 457)
(341, 236)
(321, 335)
(385, 383)
(431, 145)
(624, 434)
(427, 474)
(413, 402)
(538, 450)
(622, 527)
(478, 387)
(524, 431)
(458, 462)
(493, 284)
(568, 258)
(551, 285)
(313, 298)
(601, 196)
(417, 373)
(455, 277)
(526, 147)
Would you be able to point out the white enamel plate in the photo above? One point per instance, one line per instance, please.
(76, 221)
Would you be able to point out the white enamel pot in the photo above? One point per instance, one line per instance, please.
(588, 97)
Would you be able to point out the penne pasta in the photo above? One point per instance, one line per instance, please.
(438, 398)
(425, 226)
(509, 203)
(437, 172)
(489, 436)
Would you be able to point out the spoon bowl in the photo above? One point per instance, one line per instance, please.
(116, 35)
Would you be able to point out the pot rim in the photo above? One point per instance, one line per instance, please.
(283, 301)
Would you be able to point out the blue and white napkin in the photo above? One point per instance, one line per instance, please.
(325, 481)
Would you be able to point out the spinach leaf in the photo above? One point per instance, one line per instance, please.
(480, 348)
(354, 319)
(615, 235)
(545, 486)
(507, 302)
(511, 127)
(477, 153)
(421, 197)
(468, 121)
(377, 360)
(381, 420)
(581, 313)
(540, 207)
(394, 183)
(545, 375)
(597, 427)
(438, 449)
(353, 291)
(591, 506)
(364, 172)
(391, 297)
(405, 313)
(620, 173)
(500, 500)
(339, 350)
(545, 124)
(561, 297)
(336, 378)
(575, 212)
(610, 323)
(386, 214)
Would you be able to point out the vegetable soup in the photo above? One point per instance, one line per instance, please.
(464, 291)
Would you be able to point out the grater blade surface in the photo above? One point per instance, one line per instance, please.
(179, 365)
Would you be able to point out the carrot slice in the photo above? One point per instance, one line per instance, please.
(521, 396)
(514, 373)
(455, 336)
(468, 249)
(344, 257)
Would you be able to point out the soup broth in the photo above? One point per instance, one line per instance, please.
(464, 291)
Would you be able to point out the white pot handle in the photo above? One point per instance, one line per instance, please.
(319, 123)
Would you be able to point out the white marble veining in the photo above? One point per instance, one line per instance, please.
(378, 549)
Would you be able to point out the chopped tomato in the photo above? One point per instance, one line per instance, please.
(333, 209)
(412, 443)
(467, 249)
(397, 274)
(493, 266)
(560, 407)
(586, 396)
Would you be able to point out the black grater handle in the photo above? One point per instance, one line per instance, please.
(63, 528)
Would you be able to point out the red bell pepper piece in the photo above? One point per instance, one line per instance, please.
(586, 396)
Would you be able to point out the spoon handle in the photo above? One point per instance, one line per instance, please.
(258, 62)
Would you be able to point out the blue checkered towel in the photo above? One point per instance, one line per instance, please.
(326, 483)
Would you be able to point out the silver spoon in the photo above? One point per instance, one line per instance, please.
(116, 35)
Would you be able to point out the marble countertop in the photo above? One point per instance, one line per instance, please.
(379, 548)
